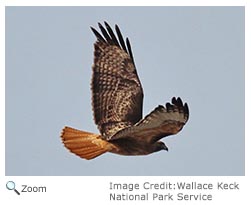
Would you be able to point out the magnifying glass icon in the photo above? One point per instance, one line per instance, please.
(11, 186)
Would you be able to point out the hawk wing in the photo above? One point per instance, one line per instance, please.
(161, 122)
(117, 94)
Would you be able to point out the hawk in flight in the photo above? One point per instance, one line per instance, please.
(117, 100)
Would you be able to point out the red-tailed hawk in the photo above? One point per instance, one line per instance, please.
(117, 99)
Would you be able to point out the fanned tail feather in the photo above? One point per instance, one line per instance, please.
(84, 144)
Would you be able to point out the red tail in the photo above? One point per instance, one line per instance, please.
(84, 144)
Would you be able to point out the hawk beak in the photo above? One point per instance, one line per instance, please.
(166, 148)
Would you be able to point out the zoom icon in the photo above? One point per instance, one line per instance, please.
(10, 185)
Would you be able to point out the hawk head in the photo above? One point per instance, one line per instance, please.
(160, 146)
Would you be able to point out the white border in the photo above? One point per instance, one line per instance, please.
(2, 90)
(96, 189)
(125, 3)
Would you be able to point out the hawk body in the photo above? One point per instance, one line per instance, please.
(117, 102)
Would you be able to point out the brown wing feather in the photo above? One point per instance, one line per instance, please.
(161, 122)
(117, 93)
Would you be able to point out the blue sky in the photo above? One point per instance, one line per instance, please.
(196, 53)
